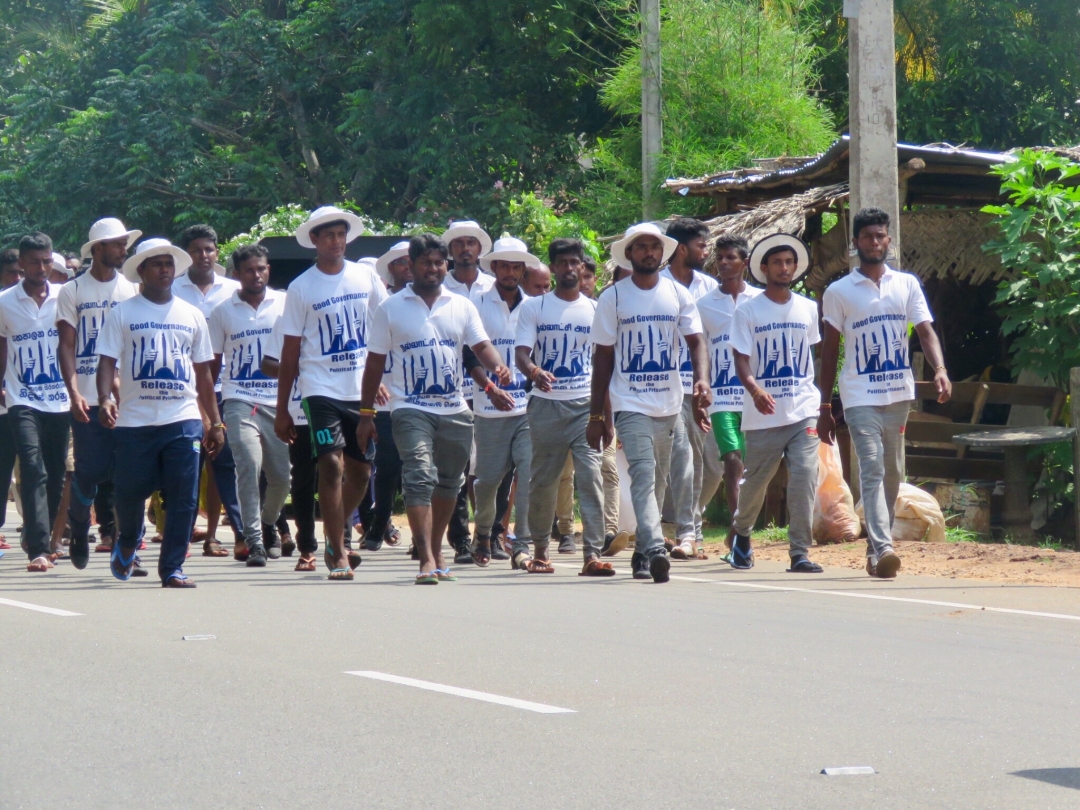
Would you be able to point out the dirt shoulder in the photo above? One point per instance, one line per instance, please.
(1027, 565)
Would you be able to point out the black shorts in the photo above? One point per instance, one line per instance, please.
(333, 427)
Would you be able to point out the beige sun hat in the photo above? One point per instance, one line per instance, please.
(382, 266)
(148, 249)
(467, 227)
(325, 215)
(802, 255)
(509, 249)
(59, 264)
(634, 232)
(105, 230)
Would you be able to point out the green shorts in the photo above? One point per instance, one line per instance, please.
(727, 428)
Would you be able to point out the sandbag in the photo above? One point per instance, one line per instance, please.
(835, 520)
(917, 517)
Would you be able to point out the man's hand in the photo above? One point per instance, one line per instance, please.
(80, 408)
(702, 399)
(764, 402)
(599, 434)
(214, 441)
(944, 386)
(501, 400)
(502, 374)
(542, 379)
(366, 431)
(107, 412)
(284, 427)
(383, 397)
(826, 425)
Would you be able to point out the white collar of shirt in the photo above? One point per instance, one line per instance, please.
(268, 299)
(24, 298)
(492, 296)
(185, 280)
(858, 277)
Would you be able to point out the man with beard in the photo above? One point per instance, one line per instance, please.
(695, 462)
(872, 308)
(82, 307)
(635, 359)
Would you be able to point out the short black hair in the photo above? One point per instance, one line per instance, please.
(324, 225)
(779, 249)
(590, 264)
(9, 256)
(684, 229)
(419, 245)
(869, 216)
(731, 242)
(35, 241)
(194, 232)
(565, 247)
(245, 252)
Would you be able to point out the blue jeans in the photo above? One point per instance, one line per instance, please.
(164, 457)
(93, 467)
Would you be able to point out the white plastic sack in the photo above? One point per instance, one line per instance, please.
(627, 517)
(835, 520)
(918, 516)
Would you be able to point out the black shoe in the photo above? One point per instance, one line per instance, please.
(498, 551)
(742, 553)
(271, 541)
(659, 566)
(256, 557)
(463, 555)
(639, 564)
(567, 544)
(79, 551)
(372, 544)
(138, 570)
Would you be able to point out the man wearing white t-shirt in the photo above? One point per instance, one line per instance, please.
(82, 308)
(204, 286)
(554, 352)
(159, 347)
(717, 311)
(240, 329)
(773, 338)
(327, 325)
(695, 462)
(635, 359)
(419, 334)
(872, 308)
(35, 395)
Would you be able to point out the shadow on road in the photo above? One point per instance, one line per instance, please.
(1065, 777)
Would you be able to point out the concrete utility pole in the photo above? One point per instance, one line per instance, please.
(872, 116)
(652, 126)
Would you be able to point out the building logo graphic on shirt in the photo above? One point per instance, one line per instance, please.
(343, 331)
(563, 358)
(517, 379)
(162, 357)
(245, 362)
(723, 363)
(89, 327)
(646, 349)
(430, 373)
(882, 350)
(780, 360)
(36, 363)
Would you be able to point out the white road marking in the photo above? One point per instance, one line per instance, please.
(465, 693)
(38, 608)
(879, 597)
(849, 770)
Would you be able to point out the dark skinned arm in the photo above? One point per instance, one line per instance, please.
(931, 347)
(214, 435)
(540, 378)
(830, 356)
(369, 390)
(702, 396)
(599, 434)
(106, 377)
(66, 349)
(288, 369)
(763, 401)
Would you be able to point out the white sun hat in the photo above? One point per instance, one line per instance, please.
(509, 249)
(325, 215)
(634, 232)
(802, 255)
(467, 227)
(150, 248)
(59, 264)
(382, 266)
(105, 230)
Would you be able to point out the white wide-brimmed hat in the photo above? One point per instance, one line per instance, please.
(105, 230)
(509, 249)
(802, 255)
(634, 232)
(327, 214)
(150, 248)
(59, 264)
(382, 266)
(467, 228)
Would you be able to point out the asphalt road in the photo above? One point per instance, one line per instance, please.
(721, 689)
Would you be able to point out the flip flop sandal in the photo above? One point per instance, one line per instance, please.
(212, 548)
(596, 568)
(177, 581)
(3, 543)
(121, 568)
(340, 574)
(394, 538)
(444, 575)
(804, 565)
(353, 556)
(103, 548)
(678, 553)
(539, 567)
(199, 536)
(58, 555)
(700, 553)
(426, 578)
(39, 565)
(305, 564)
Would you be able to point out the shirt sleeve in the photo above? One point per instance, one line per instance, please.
(65, 306)
(689, 319)
(201, 352)
(742, 333)
(832, 310)
(526, 328)
(473, 333)
(379, 340)
(292, 321)
(216, 326)
(813, 329)
(110, 340)
(605, 328)
(273, 346)
(917, 309)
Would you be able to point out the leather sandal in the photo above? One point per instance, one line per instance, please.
(212, 548)
(595, 568)
(539, 567)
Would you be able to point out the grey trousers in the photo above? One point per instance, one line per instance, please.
(557, 427)
(647, 443)
(797, 445)
(434, 450)
(705, 474)
(256, 448)
(877, 434)
(684, 484)
(502, 443)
